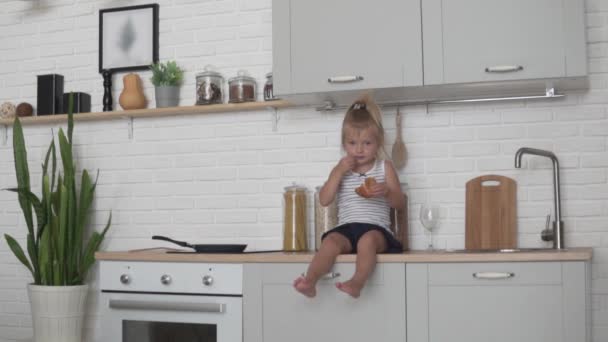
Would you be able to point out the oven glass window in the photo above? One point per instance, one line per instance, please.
(142, 331)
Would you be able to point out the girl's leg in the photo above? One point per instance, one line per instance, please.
(370, 244)
(333, 245)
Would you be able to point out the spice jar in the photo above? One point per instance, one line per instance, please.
(294, 219)
(326, 218)
(399, 224)
(242, 88)
(209, 87)
(268, 88)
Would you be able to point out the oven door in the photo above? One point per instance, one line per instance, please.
(134, 317)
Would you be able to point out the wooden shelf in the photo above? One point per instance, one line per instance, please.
(151, 112)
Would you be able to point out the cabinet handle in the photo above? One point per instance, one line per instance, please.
(493, 275)
(344, 79)
(504, 68)
(328, 276)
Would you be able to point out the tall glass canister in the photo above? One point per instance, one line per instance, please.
(294, 219)
(326, 218)
(399, 222)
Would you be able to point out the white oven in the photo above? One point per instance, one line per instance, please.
(171, 302)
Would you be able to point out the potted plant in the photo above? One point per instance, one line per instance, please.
(60, 250)
(167, 78)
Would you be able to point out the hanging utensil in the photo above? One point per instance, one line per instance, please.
(399, 152)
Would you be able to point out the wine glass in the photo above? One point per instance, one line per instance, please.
(429, 217)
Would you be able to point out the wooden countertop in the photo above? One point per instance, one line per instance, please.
(160, 254)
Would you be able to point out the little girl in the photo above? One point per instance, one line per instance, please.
(363, 223)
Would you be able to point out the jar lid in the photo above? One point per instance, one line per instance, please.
(242, 75)
(295, 187)
(269, 75)
(209, 70)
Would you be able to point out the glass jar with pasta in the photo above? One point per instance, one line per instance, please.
(295, 237)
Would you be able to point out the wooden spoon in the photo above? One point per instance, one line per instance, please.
(399, 152)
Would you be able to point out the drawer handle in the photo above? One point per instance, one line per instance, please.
(493, 275)
(504, 68)
(344, 79)
(328, 276)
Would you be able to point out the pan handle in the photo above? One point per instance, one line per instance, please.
(164, 238)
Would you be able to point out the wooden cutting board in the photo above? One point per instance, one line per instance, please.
(491, 213)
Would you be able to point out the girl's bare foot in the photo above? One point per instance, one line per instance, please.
(305, 287)
(350, 287)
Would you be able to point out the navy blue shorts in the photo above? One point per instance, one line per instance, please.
(354, 231)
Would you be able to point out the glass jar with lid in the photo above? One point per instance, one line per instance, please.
(209, 87)
(326, 218)
(399, 222)
(242, 88)
(268, 88)
(295, 237)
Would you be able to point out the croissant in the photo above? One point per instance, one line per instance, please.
(364, 190)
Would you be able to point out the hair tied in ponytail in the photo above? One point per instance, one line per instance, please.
(359, 105)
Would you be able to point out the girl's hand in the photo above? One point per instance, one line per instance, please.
(346, 164)
(378, 190)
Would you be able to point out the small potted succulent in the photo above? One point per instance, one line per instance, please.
(167, 78)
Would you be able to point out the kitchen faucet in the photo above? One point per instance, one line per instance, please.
(557, 234)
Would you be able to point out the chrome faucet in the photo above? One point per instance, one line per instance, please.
(558, 226)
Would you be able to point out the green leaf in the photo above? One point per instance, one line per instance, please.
(92, 246)
(16, 248)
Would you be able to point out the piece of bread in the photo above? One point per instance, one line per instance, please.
(364, 190)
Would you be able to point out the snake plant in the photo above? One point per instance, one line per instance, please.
(59, 252)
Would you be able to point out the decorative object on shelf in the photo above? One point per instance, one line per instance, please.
(107, 90)
(60, 255)
(268, 88)
(128, 37)
(7, 110)
(242, 87)
(167, 78)
(209, 86)
(25, 109)
(132, 96)
(50, 94)
(82, 102)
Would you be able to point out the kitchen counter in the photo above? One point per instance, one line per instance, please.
(417, 256)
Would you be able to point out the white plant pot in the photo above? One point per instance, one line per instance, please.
(57, 312)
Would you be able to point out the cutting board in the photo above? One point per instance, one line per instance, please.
(491, 213)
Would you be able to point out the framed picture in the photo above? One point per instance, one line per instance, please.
(128, 37)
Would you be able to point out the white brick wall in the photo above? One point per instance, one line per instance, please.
(219, 177)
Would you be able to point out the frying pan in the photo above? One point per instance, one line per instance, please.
(215, 248)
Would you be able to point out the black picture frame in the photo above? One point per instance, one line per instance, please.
(128, 38)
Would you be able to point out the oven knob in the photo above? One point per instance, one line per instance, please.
(207, 280)
(165, 279)
(125, 279)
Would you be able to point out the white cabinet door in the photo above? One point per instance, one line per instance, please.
(275, 312)
(501, 302)
(495, 40)
(323, 46)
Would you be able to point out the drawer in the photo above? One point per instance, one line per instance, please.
(489, 274)
(287, 273)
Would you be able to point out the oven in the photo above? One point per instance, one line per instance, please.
(171, 302)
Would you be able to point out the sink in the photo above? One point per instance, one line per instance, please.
(513, 250)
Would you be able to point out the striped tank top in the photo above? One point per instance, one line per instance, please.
(354, 208)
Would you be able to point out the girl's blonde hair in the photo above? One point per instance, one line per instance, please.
(362, 114)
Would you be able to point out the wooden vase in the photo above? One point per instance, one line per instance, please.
(132, 96)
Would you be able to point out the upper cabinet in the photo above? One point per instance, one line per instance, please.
(413, 50)
(321, 46)
(495, 40)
